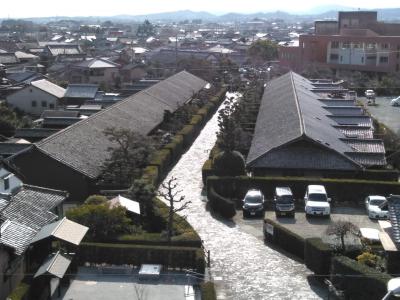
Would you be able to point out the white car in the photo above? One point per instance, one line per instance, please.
(376, 207)
(395, 101)
(369, 94)
(316, 201)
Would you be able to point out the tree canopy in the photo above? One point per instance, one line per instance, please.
(263, 50)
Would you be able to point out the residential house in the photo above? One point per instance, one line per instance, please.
(36, 97)
(78, 94)
(96, 71)
(62, 53)
(9, 182)
(8, 59)
(29, 222)
(297, 134)
(72, 158)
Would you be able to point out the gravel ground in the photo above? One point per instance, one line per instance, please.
(242, 266)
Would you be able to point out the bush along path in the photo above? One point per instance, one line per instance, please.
(242, 266)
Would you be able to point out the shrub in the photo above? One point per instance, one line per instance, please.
(286, 239)
(176, 147)
(368, 259)
(95, 200)
(229, 163)
(223, 206)
(317, 256)
(197, 121)
(207, 170)
(150, 174)
(188, 134)
(20, 292)
(359, 281)
(120, 254)
(162, 160)
(208, 291)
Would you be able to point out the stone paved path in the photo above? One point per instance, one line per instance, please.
(242, 266)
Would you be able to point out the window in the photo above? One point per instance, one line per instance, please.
(44, 104)
(6, 183)
(346, 45)
(371, 45)
(356, 45)
(51, 106)
(334, 56)
(385, 46)
(34, 103)
(334, 44)
(383, 60)
(397, 67)
(341, 58)
(362, 59)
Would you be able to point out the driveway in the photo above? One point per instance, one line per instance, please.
(384, 112)
(242, 266)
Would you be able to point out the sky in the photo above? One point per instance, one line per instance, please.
(45, 8)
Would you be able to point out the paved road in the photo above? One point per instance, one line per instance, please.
(384, 112)
(243, 267)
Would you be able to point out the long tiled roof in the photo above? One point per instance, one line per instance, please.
(289, 113)
(81, 91)
(16, 236)
(49, 87)
(55, 265)
(84, 147)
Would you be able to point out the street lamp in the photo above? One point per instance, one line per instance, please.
(393, 288)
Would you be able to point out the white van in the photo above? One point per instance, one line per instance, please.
(317, 201)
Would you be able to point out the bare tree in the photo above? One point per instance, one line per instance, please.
(170, 194)
(140, 291)
(340, 229)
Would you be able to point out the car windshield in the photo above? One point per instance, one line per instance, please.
(317, 197)
(376, 202)
(253, 199)
(287, 199)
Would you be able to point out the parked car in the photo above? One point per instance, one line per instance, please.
(395, 101)
(376, 207)
(369, 94)
(253, 203)
(284, 202)
(316, 201)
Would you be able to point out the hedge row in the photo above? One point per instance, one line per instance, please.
(357, 280)
(225, 207)
(317, 256)
(208, 291)
(21, 291)
(285, 239)
(120, 254)
(339, 190)
(164, 158)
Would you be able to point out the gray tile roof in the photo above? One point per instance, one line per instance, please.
(16, 236)
(34, 133)
(59, 114)
(84, 147)
(96, 63)
(291, 114)
(8, 149)
(31, 206)
(330, 102)
(8, 58)
(64, 49)
(56, 265)
(289, 111)
(87, 91)
(351, 131)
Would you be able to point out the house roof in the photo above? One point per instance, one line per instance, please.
(84, 147)
(64, 49)
(24, 55)
(26, 76)
(64, 229)
(16, 236)
(97, 63)
(129, 204)
(8, 58)
(49, 87)
(59, 114)
(56, 265)
(34, 133)
(8, 149)
(290, 112)
(31, 206)
(87, 91)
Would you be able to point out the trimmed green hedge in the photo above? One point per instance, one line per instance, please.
(188, 133)
(285, 239)
(357, 280)
(120, 254)
(208, 291)
(176, 147)
(317, 256)
(151, 175)
(162, 159)
(21, 292)
(338, 189)
(207, 170)
(225, 207)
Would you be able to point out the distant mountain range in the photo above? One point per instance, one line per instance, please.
(321, 12)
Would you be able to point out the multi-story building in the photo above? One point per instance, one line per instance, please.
(357, 42)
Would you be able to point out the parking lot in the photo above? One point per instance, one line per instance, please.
(308, 226)
(384, 112)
